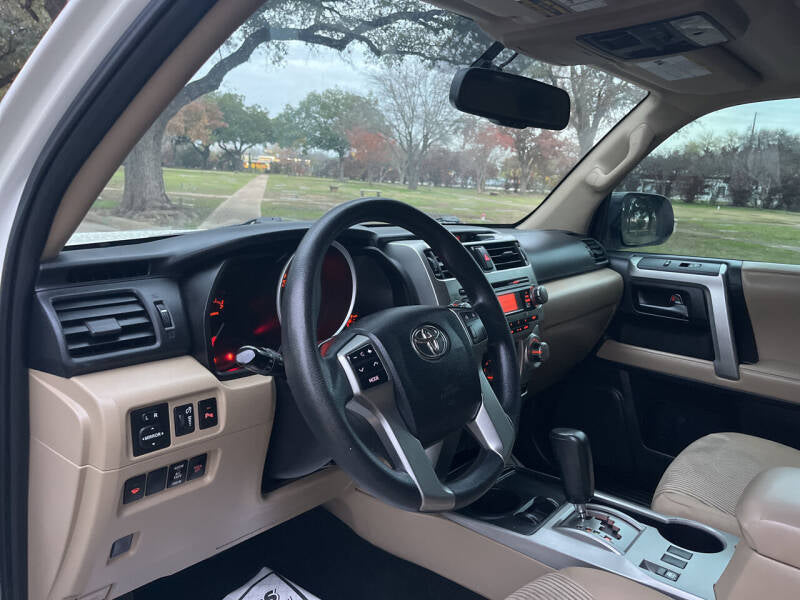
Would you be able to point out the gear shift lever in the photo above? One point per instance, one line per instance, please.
(574, 455)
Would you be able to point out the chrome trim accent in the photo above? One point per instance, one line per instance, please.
(726, 362)
(492, 427)
(430, 342)
(553, 547)
(343, 251)
(377, 405)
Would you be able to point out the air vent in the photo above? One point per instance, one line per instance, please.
(103, 324)
(506, 255)
(439, 269)
(108, 272)
(596, 250)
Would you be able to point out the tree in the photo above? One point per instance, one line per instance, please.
(243, 127)
(598, 98)
(323, 120)
(22, 25)
(372, 150)
(413, 97)
(539, 150)
(384, 28)
(195, 125)
(484, 143)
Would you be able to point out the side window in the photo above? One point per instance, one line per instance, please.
(733, 179)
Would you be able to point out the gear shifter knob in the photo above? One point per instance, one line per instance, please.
(574, 455)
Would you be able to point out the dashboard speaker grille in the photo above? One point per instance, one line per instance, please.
(102, 324)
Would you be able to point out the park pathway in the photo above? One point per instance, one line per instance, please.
(243, 205)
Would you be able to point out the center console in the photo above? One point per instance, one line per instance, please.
(567, 523)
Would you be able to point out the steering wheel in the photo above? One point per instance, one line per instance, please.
(413, 372)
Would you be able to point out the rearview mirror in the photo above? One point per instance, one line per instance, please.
(637, 219)
(509, 100)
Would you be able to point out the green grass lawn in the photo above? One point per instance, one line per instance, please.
(733, 232)
(700, 230)
(310, 197)
(195, 181)
(199, 191)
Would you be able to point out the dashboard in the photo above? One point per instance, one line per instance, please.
(139, 412)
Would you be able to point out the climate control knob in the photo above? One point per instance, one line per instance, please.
(540, 294)
(537, 350)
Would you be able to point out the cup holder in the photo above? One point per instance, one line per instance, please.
(497, 502)
(691, 538)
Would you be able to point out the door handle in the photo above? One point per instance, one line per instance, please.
(676, 311)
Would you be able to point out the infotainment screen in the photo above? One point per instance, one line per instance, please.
(508, 302)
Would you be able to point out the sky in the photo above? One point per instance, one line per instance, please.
(304, 69)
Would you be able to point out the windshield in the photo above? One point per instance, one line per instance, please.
(287, 120)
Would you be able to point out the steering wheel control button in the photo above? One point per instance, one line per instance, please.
(184, 419)
(197, 467)
(134, 489)
(207, 411)
(362, 354)
(156, 481)
(367, 367)
(430, 342)
(150, 429)
(177, 473)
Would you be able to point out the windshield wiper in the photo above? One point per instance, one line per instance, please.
(448, 220)
(262, 220)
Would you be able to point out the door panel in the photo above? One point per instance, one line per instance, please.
(660, 379)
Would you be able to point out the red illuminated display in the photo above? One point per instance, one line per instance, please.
(508, 302)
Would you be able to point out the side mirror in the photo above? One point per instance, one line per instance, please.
(509, 100)
(637, 219)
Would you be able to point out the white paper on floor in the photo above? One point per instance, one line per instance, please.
(269, 585)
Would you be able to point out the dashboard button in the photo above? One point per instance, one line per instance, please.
(675, 562)
(197, 467)
(156, 481)
(207, 411)
(133, 489)
(150, 428)
(151, 437)
(177, 473)
(184, 419)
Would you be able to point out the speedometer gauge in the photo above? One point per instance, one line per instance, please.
(338, 293)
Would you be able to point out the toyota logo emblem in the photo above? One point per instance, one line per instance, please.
(430, 342)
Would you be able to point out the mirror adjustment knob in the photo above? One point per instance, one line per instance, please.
(540, 295)
(262, 361)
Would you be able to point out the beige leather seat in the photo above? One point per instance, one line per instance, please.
(576, 583)
(706, 480)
